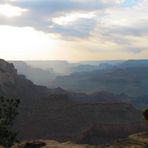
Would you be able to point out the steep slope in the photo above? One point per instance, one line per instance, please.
(12, 84)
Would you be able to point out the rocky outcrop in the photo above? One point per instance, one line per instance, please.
(7, 73)
(12, 84)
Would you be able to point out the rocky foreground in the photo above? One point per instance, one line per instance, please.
(139, 140)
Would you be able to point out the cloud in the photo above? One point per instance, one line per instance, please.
(68, 19)
(99, 25)
(11, 11)
(125, 27)
(73, 25)
(79, 29)
(41, 11)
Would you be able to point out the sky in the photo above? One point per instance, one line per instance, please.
(73, 30)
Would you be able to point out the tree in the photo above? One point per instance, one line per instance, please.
(8, 113)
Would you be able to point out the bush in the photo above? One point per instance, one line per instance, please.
(8, 113)
(145, 114)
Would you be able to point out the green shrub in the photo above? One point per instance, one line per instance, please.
(8, 113)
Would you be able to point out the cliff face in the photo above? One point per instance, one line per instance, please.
(7, 73)
(14, 85)
(51, 114)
